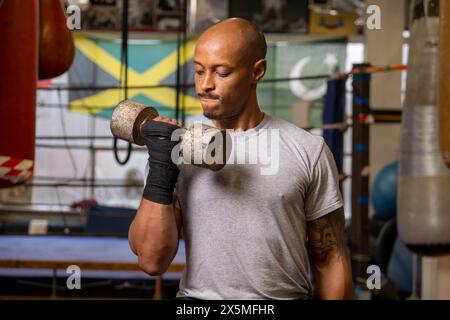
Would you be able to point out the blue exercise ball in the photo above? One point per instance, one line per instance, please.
(384, 192)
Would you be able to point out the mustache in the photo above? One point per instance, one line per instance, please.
(208, 96)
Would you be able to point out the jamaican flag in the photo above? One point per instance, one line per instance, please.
(152, 64)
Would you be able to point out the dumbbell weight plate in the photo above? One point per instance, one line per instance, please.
(127, 119)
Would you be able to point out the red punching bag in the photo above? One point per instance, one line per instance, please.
(18, 68)
(56, 47)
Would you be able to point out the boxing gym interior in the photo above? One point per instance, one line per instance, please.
(372, 77)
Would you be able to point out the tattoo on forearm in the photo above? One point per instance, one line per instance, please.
(326, 235)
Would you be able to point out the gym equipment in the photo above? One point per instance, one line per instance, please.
(424, 180)
(56, 46)
(384, 192)
(18, 67)
(201, 145)
(444, 81)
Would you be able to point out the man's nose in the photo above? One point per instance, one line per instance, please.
(208, 82)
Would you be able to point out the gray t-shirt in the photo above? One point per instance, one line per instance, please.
(245, 226)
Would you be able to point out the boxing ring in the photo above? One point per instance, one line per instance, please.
(97, 257)
(108, 257)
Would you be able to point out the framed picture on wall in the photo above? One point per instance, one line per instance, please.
(140, 14)
(273, 16)
(102, 15)
(143, 15)
(204, 13)
(169, 15)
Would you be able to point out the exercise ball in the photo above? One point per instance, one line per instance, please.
(384, 192)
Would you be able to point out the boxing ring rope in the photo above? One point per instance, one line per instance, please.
(376, 69)
(373, 117)
(377, 116)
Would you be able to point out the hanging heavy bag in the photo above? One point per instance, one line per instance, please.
(424, 180)
(18, 67)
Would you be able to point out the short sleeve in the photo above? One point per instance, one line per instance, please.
(323, 194)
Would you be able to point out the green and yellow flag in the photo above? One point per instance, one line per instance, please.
(154, 63)
(151, 63)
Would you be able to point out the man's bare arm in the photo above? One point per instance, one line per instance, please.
(329, 258)
(154, 235)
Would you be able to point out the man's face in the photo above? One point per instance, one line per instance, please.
(223, 77)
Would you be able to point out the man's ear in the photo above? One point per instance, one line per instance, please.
(259, 70)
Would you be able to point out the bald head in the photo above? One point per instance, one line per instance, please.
(229, 61)
(240, 36)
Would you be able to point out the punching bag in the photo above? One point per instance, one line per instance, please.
(56, 47)
(424, 180)
(444, 82)
(18, 68)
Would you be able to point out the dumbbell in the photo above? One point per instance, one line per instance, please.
(201, 145)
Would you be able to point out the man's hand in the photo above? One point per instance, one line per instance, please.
(329, 258)
(163, 172)
(167, 120)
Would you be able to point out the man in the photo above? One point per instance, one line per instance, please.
(247, 234)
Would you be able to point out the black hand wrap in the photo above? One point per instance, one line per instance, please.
(163, 173)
